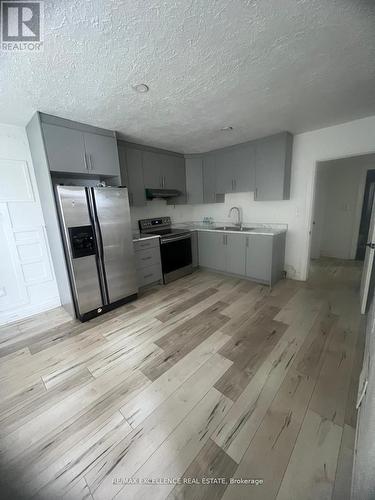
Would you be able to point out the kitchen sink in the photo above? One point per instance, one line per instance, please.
(234, 228)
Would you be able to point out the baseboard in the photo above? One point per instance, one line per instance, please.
(28, 310)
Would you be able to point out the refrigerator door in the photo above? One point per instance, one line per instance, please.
(112, 214)
(80, 245)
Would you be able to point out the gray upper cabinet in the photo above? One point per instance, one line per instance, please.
(65, 149)
(143, 169)
(224, 172)
(235, 169)
(273, 167)
(210, 193)
(152, 169)
(161, 170)
(244, 168)
(194, 180)
(102, 155)
(173, 170)
(132, 174)
(72, 148)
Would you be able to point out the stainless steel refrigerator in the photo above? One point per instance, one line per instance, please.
(98, 242)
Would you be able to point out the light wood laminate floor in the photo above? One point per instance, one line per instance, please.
(206, 379)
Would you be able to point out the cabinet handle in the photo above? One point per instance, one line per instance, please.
(85, 158)
(223, 239)
(90, 161)
(147, 275)
(163, 181)
(146, 258)
(256, 193)
(235, 184)
(247, 242)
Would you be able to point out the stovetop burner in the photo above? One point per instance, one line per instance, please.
(160, 226)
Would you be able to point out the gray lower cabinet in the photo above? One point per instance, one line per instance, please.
(222, 251)
(194, 249)
(259, 257)
(132, 174)
(65, 149)
(265, 256)
(148, 261)
(256, 256)
(102, 154)
(273, 158)
(235, 254)
(211, 250)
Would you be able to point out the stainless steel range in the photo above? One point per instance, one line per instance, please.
(175, 247)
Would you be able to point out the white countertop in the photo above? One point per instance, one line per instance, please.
(199, 226)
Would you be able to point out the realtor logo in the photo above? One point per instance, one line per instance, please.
(22, 26)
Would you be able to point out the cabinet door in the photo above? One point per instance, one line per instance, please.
(259, 257)
(235, 254)
(244, 169)
(65, 149)
(194, 249)
(194, 180)
(152, 163)
(272, 167)
(211, 250)
(102, 154)
(224, 172)
(173, 171)
(209, 179)
(132, 174)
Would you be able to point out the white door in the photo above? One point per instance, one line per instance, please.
(369, 260)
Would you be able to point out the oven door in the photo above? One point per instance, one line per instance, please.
(176, 257)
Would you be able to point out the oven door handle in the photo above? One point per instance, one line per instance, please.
(177, 238)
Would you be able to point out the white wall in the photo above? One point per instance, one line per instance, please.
(27, 283)
(340, 186)
(348, 139)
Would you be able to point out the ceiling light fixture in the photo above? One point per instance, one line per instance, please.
(228, 128)
(142, 88)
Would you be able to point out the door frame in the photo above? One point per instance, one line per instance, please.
(310, 216)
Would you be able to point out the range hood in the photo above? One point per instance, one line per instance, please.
(162, 193)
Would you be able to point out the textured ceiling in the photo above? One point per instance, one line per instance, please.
(259, 65)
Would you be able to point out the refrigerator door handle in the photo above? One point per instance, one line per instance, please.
(99, 241)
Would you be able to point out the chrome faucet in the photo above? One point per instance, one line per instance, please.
(239, 218)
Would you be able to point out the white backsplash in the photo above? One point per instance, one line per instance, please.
(255, 212)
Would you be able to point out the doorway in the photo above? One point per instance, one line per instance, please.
(368, 200)
(344, 190)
